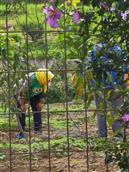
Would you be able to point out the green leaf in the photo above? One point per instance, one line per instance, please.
(110, 120)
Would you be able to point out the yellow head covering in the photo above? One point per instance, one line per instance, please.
(43, 76)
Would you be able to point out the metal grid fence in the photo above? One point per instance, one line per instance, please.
(69, 129)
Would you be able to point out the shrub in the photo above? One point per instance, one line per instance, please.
(56, 93)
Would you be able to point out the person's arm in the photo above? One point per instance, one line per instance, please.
(22, 88)
(121, 59)
(24, 84)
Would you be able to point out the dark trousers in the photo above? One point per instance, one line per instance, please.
(36, 113)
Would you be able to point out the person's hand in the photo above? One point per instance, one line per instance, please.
(22, 104)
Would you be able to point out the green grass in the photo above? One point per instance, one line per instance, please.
(4, 124)
(57, 120)
(16, 14)
(17, 18)
(17, 147)
(62, 124)
(56, 145)
(56, 108)
(54, 123)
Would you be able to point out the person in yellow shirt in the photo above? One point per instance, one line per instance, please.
(32, 90)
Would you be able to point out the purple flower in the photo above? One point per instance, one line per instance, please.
(125, 118)
(125, 15)
(53, 15)
(76, 17)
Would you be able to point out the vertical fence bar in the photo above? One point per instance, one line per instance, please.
(104, 91)
(84, 49)
(48, 114)
(8, 85)
(86, 121)
(27, 72)
(66, 87)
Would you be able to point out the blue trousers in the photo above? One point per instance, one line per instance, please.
(114, 102)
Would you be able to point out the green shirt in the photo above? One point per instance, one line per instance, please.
(35, 88)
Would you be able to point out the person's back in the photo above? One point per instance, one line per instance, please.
(107, 65)
(32, 90)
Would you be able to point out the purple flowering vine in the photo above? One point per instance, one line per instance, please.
(53, 15)
(76, 17)
(124, 15)
(125, 120)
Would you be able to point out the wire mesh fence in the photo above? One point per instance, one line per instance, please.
(68, 139)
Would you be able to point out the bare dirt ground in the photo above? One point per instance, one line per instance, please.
(74, 160)
(40, 163)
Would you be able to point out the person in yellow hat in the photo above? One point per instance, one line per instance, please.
(32, 90)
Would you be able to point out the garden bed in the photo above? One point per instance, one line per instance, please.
(41, 155)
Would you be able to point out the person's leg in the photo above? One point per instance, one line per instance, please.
(101, 117)
(22, 120)
(21, 105)
(37, 121)
(35, 103)
(116, 101)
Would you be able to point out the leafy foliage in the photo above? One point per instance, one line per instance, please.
(115, 151)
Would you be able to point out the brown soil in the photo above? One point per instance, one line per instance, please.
(77, 161)
(40, 163)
